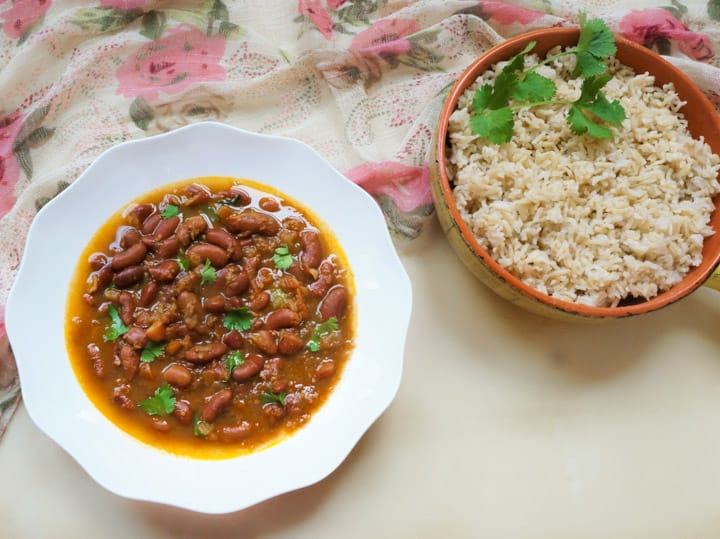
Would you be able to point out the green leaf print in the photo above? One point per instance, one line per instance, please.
(713, 9)
(104, 19)
(153, 24)
(141, 113)
(678, 9)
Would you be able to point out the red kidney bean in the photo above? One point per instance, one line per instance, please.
(130, 237)
(95, 355)
(312, 253)
(136, 337)
(129, 276)
(282, 318)
(151, 222)
(190, 308)
(160, 424)
(249, 222)
(269, 204)
(166, 248)
(274, 411)
(165, 271)
(221, 238)
(234, 340)
(166, 228)
(129, 360)
(177, 330)
(148, 293)
(190, 229)
(100, 279)
(197, 194)
(127, 307)
(215, 304)
(156, 331)
(237, 284)
(215, 404)
(202, 353)
(290, 343)
(121, 397)
(259, 302)
(326, 369)
(252, 365)
(174, 347)
(137, 215)
(187, 281)
(97, 261)
(198, 253)
(230, 433)
(278, 386)
(333, 304)
(178, 375)
(324, 279)
(265, 342)
(131, 256)
(183, 412)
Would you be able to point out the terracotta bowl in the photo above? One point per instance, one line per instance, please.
(702, 119)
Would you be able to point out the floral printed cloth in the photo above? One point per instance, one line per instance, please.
(362, 81)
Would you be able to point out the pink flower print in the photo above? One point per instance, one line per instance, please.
(21, 15)
(507, 14)
(9, 166)
(407, 186)
(184, 56)
(123, 4)
(318, 15)
(386, 36)
(649, 25)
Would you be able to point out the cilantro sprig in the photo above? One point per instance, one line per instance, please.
(322, 329)
(170, 211)
(208, 275)
(238, 319)
(282, 258)
(162, 401)
(152, 351)
(270, 397)
(234, 359)
(116, 327)
(493, 116)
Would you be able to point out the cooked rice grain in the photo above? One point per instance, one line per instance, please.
(581, 219)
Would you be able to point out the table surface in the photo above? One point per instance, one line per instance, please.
(506, 425)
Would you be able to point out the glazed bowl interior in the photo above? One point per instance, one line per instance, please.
(703, 121)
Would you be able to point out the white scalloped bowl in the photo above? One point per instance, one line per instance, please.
(121, 463)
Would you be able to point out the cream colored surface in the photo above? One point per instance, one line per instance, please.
(506, 425)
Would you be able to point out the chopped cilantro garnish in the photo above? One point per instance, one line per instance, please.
(161, 403)
(152, 351)
(208, 273)
(331, 324)
(269, 397)
(170, 211)
(234, 201)
(238, 319)
(282, 257)
(234, 359)
(183, 262)
(210, 212)
(201, 428)
(116, 327)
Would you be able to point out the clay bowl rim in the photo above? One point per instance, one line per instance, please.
(664, 70)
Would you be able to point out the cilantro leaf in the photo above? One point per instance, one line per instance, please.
(235, 201)
(201, 429)
(596, 43)
(151, 351)
(481, 98)
(207, 273)
(282, 258)
(238, 319)
(161, 403)
(322, 329)
(534, 88)
(234, 359)
(494, 125)
(591, 86)
(170, 211)
(580, 124)
(183, 262)
(507, 78)
(269, 397)
(210, 212)
(610, 112)
(116, 327)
